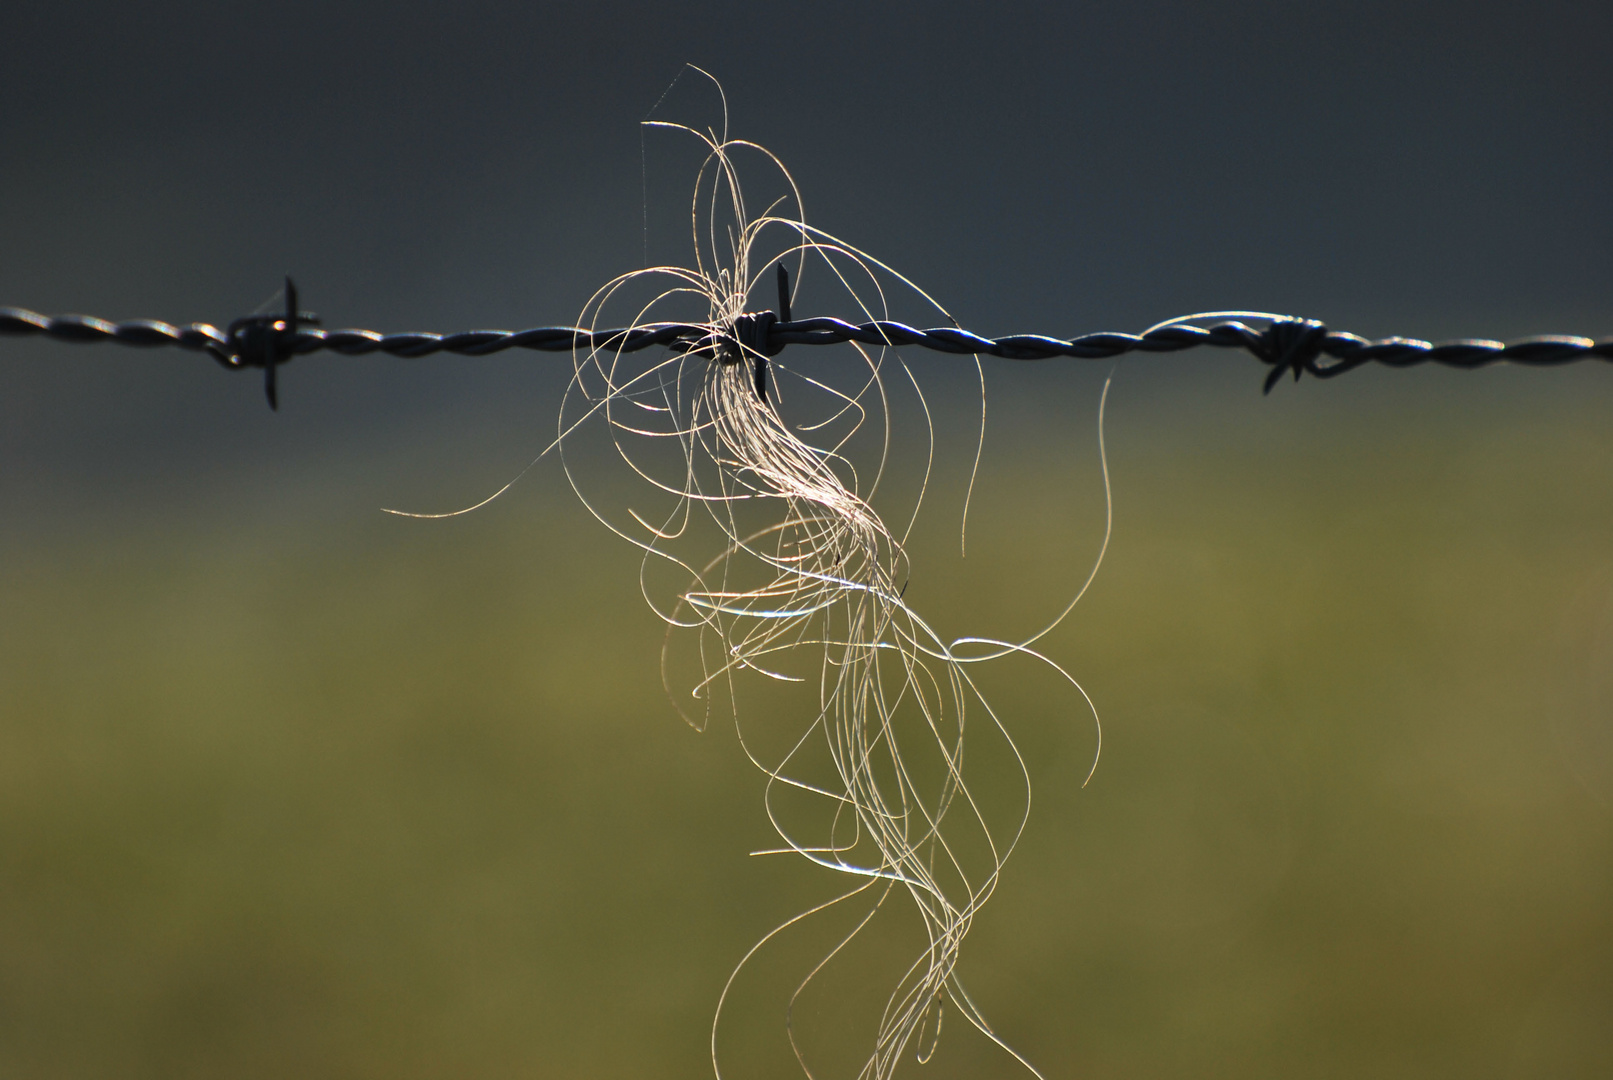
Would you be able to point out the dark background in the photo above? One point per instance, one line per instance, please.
(289, 786)
(1427, 170)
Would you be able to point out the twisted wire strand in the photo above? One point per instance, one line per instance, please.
(1287, 343)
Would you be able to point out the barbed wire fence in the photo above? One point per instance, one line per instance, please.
(1286, 343)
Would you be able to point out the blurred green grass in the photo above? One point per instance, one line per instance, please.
(407, 800)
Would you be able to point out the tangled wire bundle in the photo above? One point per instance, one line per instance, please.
(808, 581)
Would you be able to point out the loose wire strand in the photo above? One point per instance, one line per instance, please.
(805, 567)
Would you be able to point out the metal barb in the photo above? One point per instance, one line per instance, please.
(768, 349)
(271, 358)
(1290, 345)
(266, 341)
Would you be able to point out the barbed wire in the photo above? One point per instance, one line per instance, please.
(1285, 342)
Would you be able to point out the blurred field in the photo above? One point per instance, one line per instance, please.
(288, 797)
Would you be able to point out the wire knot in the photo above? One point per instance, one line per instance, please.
(754, 332)
(753, 336)
(1290, 345)
(265, 341)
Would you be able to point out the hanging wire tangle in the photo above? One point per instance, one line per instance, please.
(1284, 342)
